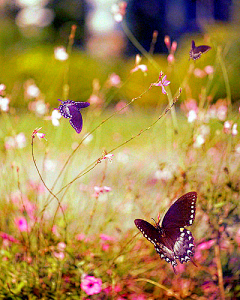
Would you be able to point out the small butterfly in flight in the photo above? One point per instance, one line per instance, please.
(196, 52)
(170, 238)
(71, 110)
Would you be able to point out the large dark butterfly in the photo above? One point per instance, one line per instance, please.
(196, 52)
(71, 110)
(171, 239)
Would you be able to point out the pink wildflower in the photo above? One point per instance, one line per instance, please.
(192, 116)
(4, 103)
(38, 134)
(162, 82)
(8, 237)
(137, 67)
(199, 73)
(100, 190)
(230, 128)
(2, 88)
(61, 246)
(190, 104)
(114, 80)
(167, 42)
(91, 285)
(206, 245)
(108, 156)
(174, 46)
(60, 53)
(22, 224)
(234, 129)
(171, 49)
(59, 255)
(39, 107)
(105, 247)
(32, 90)
(80, 236)
(55, 116)
(209, 70)
(119, 11)
(18, 141)
(55, 231)
(121, 107)
(106, 237)
(170, 58)
(199, 140)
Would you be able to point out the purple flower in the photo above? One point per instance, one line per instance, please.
(162, 82)
(71, 110)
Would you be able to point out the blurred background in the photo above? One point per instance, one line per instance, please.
(30, 29)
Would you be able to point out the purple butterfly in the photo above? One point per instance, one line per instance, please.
(71, 110)
(171, 239)
(196, 52)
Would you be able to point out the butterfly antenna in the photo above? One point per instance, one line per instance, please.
(174, 270)
(193, 262)
(154, 221)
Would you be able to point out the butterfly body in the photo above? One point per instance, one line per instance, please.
(171, 239)
(196, 52)
(71, 110)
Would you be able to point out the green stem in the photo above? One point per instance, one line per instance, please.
(225, 77)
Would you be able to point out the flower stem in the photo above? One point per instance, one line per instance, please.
(219, 270)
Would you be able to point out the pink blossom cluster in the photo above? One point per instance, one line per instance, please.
(60, 251)
(208, 70)
(14, 142)
(139, 66)
(215, 111)
(8, 237)
(119, 11)
(230, 128)
(101, 190)
(171, 49)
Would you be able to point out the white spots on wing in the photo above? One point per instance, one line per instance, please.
(191, 245)
(192, 211)
(182, 234)
(181, 229)
(190, 222)
(191, 216)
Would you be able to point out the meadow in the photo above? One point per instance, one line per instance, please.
(69, 201)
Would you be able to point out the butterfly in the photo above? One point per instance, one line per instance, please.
(171, 239)
(196, 52)
(71, 110)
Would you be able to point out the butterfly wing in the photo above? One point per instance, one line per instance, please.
(163, 245)
(172, 244)
(76, 120)
(196, 52)
(71, 110)
(65, 107)
(181, 213)
(80, 105)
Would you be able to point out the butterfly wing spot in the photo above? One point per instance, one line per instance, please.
(190, 222)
